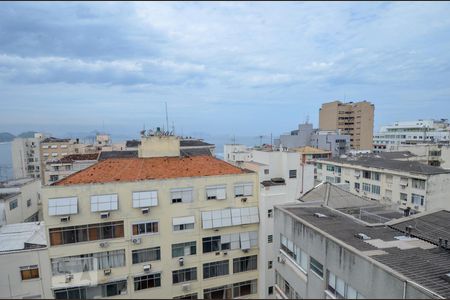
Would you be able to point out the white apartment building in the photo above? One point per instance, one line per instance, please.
(410, 184)
(69, 164)
(26, 156)
(283, 178)
(433, 154)
(391, 137)
(24, 260)
(19, 201)
(154, 226)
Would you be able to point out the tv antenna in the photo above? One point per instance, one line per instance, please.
(167, 118)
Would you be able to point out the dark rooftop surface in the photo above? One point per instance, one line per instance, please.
(273, 182)
(396, 155)
(193, 143)
(8, 195)
(132, 143)
(426, 266)
(195, 152)
(55, 140)
(376, 161)
(117, 154)
(73, 157)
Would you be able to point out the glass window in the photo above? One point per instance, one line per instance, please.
(214, 269)
(181, 195)
(243, 264)
(270, 213)
(145, 228)
(417, 199)
(29, 272)
(375, 189)
(270, 238)
(13, 204)
(316, 267)
(184, 275)
(192, 296)
(147, 281)
(292, 173)
(144, 255)
(418, 184)
(184, 249)
(216, 192)
(403, 197)
(145, 199)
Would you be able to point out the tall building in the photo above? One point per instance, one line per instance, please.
(305, 135)
(283, 178)
(354, 119)
(159, 225)
(26, 159)
(391, 137)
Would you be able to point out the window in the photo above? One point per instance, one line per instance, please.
(211, 244)
(145, 228)
(83, 233)
(144, 255)
(229, 217)
(340, 289)
(243, 264)
(44, 146)
(375, 176)
(417, 199)
(375, 189)
(54, 146)
(62, 206)
(366, 174)
(181, 195)
(357, 185)
(329, 179)
(316, 267)
(220, 292)
(214, 269)
(216, 192)
(68, 167)
(145, 199)
(104, 203)
(418, 183)
(403, 197)
(285, 287)
(319, 166)
(232, 241)
(101, 290)
(337, 169)
(366, 187)
(184, 275)
(270, 213)
(29, 272)
(188, 296)
(270, 264)
(292, 250)
(243, 189)
(28, 202)
(244, 288)
(292, 173)
(270, 238)
(184, 249)
(54, 177)
(389, 178)
(147, 281)
(54, 154)
(266, 171)
(270, 290)
(88, 262)
(184, 223)
(330, 168)
(13, 204)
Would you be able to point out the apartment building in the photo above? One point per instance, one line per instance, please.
(354, 119)
(159, 225)
(305, 135)
(282, 178)
(26, 156)
(19, 201)
(52, 149)
(410, 184)
(433, 154)
(325, 253)
(67, 165)
(391, 137)
(25, 263)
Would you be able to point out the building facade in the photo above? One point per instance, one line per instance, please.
(354, 119)
(410, 184)
(391, 137)
(156, 226)
(69, 164)
(26, 156)
(433, 154)
(324, 253)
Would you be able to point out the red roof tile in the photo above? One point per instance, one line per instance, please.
(134, 169)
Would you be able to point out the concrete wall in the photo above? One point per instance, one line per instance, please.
(28, 191)
(159, 146)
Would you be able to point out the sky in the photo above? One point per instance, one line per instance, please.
(236, 68)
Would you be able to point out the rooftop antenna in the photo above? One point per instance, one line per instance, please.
(173, 127)
(307, 119)
(167, 118)
(234, 139)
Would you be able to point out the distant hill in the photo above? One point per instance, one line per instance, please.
(6, 137)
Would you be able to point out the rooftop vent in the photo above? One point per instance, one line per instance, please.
(319, 215)
(362, 236)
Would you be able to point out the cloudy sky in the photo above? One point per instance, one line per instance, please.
(223, 68)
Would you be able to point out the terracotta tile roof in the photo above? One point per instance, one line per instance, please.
(134, 169)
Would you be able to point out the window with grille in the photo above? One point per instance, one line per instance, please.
(29, 272)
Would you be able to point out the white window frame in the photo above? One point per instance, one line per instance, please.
(230, 217)
(145, 198)
(107, 202)
(63, 206)
(217, 191)
(180, 223)
(244, 189)
(185, 194)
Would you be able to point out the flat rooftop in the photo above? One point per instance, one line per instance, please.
(135, 169)
(376, 161)
(76, 157)
(310, 150)
(21, 236)
(413, 257)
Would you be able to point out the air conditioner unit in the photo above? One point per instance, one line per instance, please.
(147, 268)
(104, 215)
(245, 250)
(136, 240)
(181, 261)
(281, 260)
(107, 272)
(65, 219)
(225, 253)
(145, 211)
(244, 199)
(104, 244)
(69, 277)
(186, 287)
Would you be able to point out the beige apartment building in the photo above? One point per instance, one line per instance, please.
(354, 119)
(155, 226)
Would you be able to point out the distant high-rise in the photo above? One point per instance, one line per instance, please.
(354, 119)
